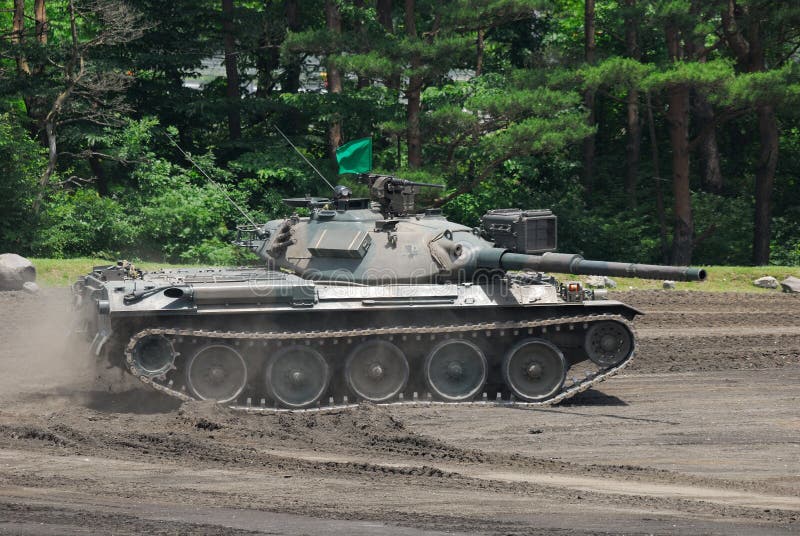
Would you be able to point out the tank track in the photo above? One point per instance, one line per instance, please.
(572, 385)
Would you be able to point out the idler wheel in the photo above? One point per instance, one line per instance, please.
(455, 370)
(216, 372)
(153, 355)
(376, 371)
(608, 343)
(534, 370)
(297, 376)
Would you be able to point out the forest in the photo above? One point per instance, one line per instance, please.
(662, 131)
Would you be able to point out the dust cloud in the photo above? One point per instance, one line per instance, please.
(38, 351)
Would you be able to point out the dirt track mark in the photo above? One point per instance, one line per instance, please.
(687, 450)
(603, 485)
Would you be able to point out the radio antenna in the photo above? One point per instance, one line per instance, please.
(212, 181)
(303, 157)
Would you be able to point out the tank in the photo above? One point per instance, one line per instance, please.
(367, 300)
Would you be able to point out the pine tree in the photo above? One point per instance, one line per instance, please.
(762, 37)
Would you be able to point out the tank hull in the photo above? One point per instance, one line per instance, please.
(270, 341)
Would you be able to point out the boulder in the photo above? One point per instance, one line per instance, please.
(30, 287)
(600, 281)
(791, 284)
(15, 271)
(596, 281)
(766, 282)
(668, 284)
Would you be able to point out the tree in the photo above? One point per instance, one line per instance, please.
(231, 71)
(488, 97)
(483, 124)
(333, 18)
(66, 82)
(21, 161)
(752, 31)
(633, 123)
(590, 55)
(434, 40)
(18, 36)
(688, 70)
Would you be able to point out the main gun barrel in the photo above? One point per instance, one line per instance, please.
(568, 263)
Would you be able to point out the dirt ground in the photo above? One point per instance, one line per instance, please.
(701, 435)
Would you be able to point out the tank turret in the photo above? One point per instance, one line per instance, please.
(383, 240)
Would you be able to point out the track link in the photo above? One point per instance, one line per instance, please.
(532, 328)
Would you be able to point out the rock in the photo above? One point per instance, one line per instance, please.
(15, 271)
(791, 284)
(30, 287)
(610, 283)
(596, 281)
(766, 282)
(668, 284)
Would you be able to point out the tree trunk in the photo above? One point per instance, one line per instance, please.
(678, 121)
(101, 178)
(291, 75)
(765, 178)
(267, 58)
(333, 18)
(24, 69)
(634, 130)
(660, 211)
(231, 72)
(632, 147)
(384, 12)
(18, 35)
(73, 78)
(40, 15)
(361, 80)
(712, 171)
(413, 94)
(480, 46)
(709, 149)
(769, 137)
(52, 161)
(590, 46)
(291, 120)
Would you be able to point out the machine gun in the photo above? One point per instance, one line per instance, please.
(395, 196)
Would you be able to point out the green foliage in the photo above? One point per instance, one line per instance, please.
(183, 220)
(509, 136)
(618, 73)
(80, 222)
(726, 224)
(164, 211)
(785, 245)
(778, 86)
(713, 75)
(21, 163)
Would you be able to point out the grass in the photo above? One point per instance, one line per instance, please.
(62, 272)
(720, 279)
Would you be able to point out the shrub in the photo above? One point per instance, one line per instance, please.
(81, 223)
(21, 162)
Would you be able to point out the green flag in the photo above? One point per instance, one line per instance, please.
(355, 156)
